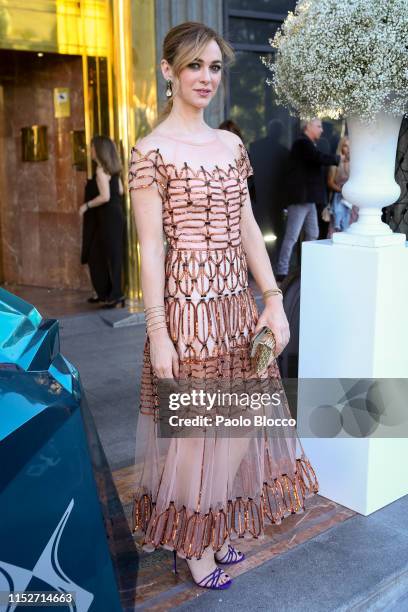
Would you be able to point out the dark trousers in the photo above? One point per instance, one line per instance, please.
(111, 228)
(105, 252)
(323, 225)
(98, 269)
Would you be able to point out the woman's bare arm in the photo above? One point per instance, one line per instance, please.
(254, 246)
(331, 182)
(273, 315)
(147, 209)
(102, 180)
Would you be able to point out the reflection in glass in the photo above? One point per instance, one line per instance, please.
(266, 6)
(98, 95)
(34, 143)
(79, 149)
(252, 31)
(252, 101)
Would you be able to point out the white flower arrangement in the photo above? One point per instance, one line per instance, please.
(339, 58)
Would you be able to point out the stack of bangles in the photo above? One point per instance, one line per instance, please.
(270, 292)
(155, 318)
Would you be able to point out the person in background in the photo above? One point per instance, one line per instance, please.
(331, 136)
(342, 213)
(269, 158)
(230, 126)
(92, 248)
(324, 147)
(105, 248)
(306, 187)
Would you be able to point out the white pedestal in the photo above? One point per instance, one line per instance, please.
(353, 324)
(350, 239)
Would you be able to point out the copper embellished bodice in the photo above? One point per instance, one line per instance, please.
(206, 279)
(201, 207)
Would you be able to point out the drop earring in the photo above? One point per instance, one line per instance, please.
(169, 90)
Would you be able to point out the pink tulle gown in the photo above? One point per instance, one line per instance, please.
(188, 495)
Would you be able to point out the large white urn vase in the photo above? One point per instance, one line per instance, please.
(372, 185)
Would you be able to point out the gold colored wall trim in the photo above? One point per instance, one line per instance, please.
(87, 119)
(143, 94)
(122, 70)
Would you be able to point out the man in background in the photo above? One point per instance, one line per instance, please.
(306, 187)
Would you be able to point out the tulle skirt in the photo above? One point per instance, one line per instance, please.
(195, 492)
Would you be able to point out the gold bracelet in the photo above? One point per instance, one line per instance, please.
(158, 327)
(154, 316)
(155, 322)
(270, 292)
(153, 307)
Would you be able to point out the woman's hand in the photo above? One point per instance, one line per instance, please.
(82, 209)
(274, 317)
(163, 355)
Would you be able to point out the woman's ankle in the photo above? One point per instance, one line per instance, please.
(223, 550)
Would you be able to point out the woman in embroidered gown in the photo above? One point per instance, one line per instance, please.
(195, 496)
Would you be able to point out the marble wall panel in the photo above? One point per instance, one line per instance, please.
(40, 226)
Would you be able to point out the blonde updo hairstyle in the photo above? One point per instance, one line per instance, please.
(183, 44)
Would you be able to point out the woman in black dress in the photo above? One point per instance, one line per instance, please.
(104, 226)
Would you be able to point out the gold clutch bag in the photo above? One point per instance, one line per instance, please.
(263, 345)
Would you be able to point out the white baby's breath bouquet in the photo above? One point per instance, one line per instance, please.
(338, 58)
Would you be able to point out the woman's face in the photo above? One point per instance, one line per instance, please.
(345, 149)
(198, 82)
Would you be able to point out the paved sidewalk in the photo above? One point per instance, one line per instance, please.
(360, 565)
(109, 361)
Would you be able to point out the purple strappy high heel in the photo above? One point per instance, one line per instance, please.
(211, 581)
(231, 557)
